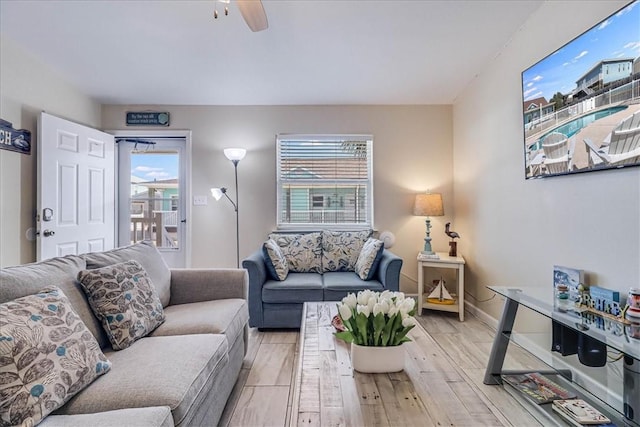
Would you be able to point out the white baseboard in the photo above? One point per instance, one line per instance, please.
(480, 314)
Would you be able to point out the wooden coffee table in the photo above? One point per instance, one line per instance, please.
(327, 393)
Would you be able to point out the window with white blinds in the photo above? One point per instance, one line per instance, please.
(324, 181)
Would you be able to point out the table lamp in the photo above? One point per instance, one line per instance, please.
(428, 204)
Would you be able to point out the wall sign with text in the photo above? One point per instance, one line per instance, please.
(147, 118)
(18, 140)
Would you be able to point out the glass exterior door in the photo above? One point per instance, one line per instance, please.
(152, 205)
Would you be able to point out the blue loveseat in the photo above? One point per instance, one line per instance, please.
(278, 303)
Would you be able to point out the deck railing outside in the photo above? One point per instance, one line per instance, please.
(615, 96)
(161, 228)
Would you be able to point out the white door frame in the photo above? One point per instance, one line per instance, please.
(150, 134)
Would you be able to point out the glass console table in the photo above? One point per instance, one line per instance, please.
(614, 335)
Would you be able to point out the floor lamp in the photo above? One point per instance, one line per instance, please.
(235, 155)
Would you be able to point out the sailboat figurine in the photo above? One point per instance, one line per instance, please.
(440, 295)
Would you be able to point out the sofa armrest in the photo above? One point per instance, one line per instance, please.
(257, 270)
(190, 285)
(389, 271)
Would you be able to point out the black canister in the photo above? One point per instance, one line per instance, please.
(631, 390)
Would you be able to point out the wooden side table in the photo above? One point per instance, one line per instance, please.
(445, 261)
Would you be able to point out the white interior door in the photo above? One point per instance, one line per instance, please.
(152, 192)
(76, 188)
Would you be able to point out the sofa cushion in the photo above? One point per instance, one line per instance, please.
(156, 371)
(28, 279)
(275, 260)
(228, 316)
(298, 287)
(340, 249)
(369, 258)
(338, 284)
(147, 255)
(302, 251)
(124, 299)
(156, 416)
(47, 355)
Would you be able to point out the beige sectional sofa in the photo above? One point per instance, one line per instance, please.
(181, 373)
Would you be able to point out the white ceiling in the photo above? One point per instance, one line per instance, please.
(314, 51)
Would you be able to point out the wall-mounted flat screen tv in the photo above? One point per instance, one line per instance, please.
(581, 103)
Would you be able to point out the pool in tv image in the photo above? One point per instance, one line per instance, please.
(581, 103)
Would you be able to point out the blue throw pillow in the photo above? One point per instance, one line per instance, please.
(369, 258)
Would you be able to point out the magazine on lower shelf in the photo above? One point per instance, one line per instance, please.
(537, 387)
(573, 422)
(580, 412)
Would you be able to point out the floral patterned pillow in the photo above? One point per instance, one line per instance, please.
(340, 249)
(274, 259)
(302, 251)
(124, 299)
(369, 258)
(47, 355)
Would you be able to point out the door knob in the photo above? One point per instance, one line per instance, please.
(48, 233)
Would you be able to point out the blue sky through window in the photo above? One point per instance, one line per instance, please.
(618, 36)
(154, 166)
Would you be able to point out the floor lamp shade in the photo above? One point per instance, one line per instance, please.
(235, 154)
(217, 193)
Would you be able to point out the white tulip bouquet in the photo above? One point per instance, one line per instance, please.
(377, 319)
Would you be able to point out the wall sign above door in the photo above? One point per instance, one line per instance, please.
(147, 118)
(11, 139)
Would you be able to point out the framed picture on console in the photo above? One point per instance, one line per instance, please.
(568, 278)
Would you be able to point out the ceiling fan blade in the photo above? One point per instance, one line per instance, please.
(253, 13)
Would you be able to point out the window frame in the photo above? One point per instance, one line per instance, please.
(317, 201)
(311, 226)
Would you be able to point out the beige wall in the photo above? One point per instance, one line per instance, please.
(27, 88)
(412, 152)
(515, 230)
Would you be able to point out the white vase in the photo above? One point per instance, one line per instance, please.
(377, 360)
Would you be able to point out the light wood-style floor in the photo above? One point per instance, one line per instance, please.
(263, 393)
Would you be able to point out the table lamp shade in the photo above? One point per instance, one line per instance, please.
(428, 204)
